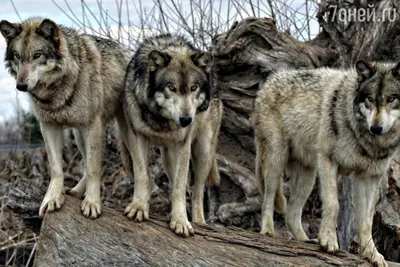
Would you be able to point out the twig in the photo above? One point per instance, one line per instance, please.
(16, 10)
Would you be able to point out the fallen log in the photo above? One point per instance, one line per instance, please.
(67, 238)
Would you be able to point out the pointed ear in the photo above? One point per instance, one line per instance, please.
(203, 60)
(9, 30)
(396, 71)
(49, 30)
(158, 59)
(365, 70)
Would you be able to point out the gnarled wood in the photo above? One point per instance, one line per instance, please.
(67, 238)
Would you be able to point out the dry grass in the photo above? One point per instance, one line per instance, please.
(18, 243)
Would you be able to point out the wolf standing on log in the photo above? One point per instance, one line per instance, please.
(330, 122)
(168, 102)
(72, 80)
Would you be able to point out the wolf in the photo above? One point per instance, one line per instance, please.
(328, 122)
(72, 80)
(168, 102)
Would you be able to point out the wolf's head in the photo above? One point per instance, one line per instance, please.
(179, 84)
(33, 51)
(378, 96)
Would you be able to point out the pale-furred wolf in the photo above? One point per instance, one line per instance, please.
(72, 80)
(168, 102)
(330, 122)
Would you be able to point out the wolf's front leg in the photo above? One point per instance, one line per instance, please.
(179, 156)
(327, 170)
(138, 145)
(366, 196)
(53, 139)
(92, 139)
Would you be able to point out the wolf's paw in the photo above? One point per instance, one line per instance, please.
(137, 211)
(374, 256)
(328, 241)
(73, 193)
(378, 260)
(267, 231)
(198, 217)
(52, 201)
(91, 207)
(181, 226)
(199, 220)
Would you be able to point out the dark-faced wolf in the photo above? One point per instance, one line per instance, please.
(330, 122)
(72, 80)
(168, 102)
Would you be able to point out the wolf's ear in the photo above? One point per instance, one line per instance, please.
(158, 59)
(9, 30)
(396, 71)
(49, 30)
(365, 70)
(203, 60)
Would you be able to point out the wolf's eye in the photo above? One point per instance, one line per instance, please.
(370, 99)
(171, 87)
(37, 55)
(16, 55)
(391, 99)
(194, 87)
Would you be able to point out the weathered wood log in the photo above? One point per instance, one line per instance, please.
(69, 239)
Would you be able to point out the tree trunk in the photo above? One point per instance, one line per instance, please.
(67, 238)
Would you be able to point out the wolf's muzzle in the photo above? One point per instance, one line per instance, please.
(185, 121)
(23, 87)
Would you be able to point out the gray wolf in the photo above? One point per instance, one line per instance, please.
(72, 80)
(328, 122)
(168, 103)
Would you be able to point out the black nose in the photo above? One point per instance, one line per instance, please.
(185, 121)
(23, 87)
(376, 129)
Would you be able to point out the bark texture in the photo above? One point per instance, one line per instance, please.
(67, 238)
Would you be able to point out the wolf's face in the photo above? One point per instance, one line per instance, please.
(33, 52)
(379, 96)
(179, 84)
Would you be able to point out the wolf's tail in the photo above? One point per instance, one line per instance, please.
(214, 178)
(280, 199)
(126, 159)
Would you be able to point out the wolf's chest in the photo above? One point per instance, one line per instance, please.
(68, 116)
(168, 138)
(355, 161)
